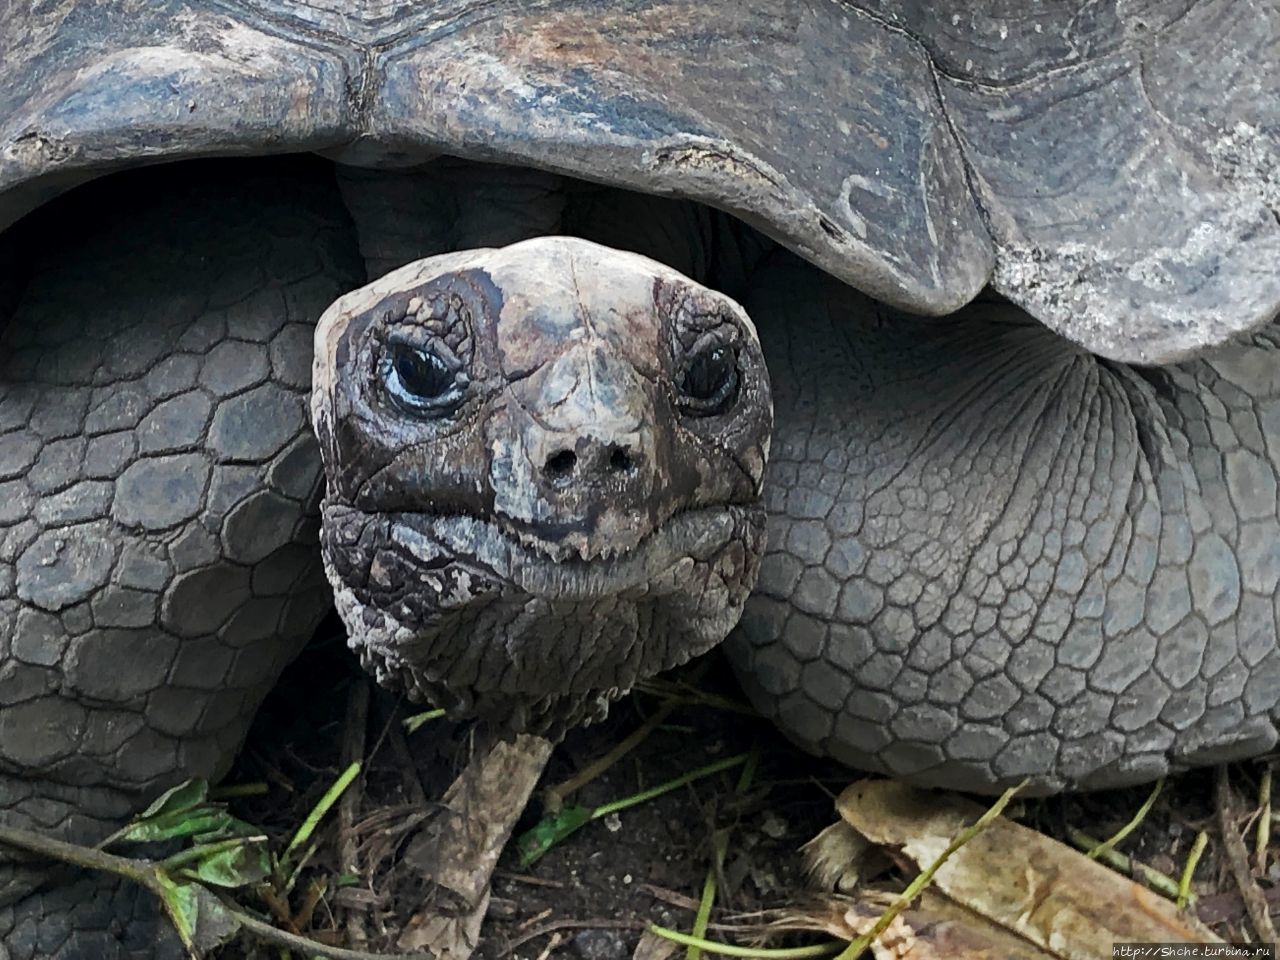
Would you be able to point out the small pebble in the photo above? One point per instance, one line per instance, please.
(601, 945)
(773, 827)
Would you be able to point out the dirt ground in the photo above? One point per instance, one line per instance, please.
(593, 895)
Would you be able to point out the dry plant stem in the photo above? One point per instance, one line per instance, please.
(278, 905)
(299, 864)
(857, 947)
(554, 941)
(536, 919)
(529, 879)
(1255, 902)
(354, 732)
(719, 852)
(315, 891)
(1185, 896)
(749, 953)
(408, 769)
(671, 897)
(1262, 844)
(1117, 861)
(591, 923)
(354, 735)
(313, 948)
(1129, 827)
(556, 796)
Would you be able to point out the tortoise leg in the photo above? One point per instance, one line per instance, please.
(158, 486)
(993, 555)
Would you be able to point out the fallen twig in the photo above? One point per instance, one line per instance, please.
(354, 733)
(150, 875)
(1262, 844)
(313, 948)
(1237, 855)
(555, 925)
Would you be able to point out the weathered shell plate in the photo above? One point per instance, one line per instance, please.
(1109, 167)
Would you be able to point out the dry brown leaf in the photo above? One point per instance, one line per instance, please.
(654, 947)
(444, 936)
(956, 931)
(935, 929)
(1020, 879)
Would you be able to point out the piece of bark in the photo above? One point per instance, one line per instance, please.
(458, 852)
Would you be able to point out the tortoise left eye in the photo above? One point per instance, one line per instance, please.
(421, 383)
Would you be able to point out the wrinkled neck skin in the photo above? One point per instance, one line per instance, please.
(449, 611)
(568, 520)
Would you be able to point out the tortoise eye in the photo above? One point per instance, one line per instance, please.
(421, 383)
(710, 381)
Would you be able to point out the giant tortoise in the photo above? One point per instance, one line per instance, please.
(1014, 271)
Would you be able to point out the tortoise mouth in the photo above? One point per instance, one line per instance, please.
(426, 553)
(456, 611)
(544, 570)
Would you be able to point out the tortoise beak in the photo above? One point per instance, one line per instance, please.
(582, 476)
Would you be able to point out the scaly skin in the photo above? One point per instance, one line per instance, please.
(158, 486)
(992, 555)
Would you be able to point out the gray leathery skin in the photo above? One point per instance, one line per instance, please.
(1107, 165)
(158, 493)
(992, 555)
(567, 526)
(405, 215)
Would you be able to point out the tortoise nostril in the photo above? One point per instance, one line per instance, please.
(560, 464)
(620, 460)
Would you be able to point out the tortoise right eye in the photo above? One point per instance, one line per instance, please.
(710, 381)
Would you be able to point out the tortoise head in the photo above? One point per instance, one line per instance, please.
(545, 466)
